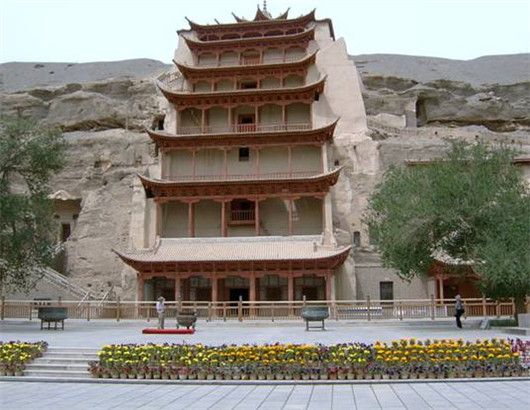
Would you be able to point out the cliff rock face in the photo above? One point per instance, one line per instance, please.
(490, 91)
(104, 107)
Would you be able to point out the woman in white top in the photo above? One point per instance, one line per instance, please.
(161, 311)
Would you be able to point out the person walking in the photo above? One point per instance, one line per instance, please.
(161, 311)
(459, 310)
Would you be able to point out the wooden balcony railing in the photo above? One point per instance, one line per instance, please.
(244, 128)
(242, 217)
(246, 61)
(279, 310)
(239, 177)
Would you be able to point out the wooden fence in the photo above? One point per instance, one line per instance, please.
(281, 310)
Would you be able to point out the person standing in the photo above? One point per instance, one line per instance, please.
(161, 311)
(459, 310)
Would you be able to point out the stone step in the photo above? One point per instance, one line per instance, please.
(59, 360)
(72, 350)
(87, 355)
(65, 366)
(519, 331)
(66, 374)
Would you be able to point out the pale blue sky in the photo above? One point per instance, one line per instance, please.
(109, 30)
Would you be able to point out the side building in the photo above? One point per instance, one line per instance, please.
(241, 203)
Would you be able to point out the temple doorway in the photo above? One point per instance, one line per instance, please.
(236, 293)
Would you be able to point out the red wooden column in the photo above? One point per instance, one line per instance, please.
(191, 219)
(290, 216)
(226, 162)
(329, 278)
(440, 287)
(284, 115)
(163, 163)
(290, 159)
(290, 292)
(258, 165)
(158, 216)
(252, 284)
(177, 288)
(256, 217)
(224, 224)
(194, 163)
(230, 129)
(203, 120)
(141, 282)
(215, 288)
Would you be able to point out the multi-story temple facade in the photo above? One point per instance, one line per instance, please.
(241, 204)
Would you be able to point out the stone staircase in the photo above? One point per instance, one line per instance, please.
(62, 363)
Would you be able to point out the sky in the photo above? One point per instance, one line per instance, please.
(109, 30)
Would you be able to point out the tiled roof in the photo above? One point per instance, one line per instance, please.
(271, 248)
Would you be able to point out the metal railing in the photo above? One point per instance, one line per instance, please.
(244, 128)
(63, 283)
(369, 310)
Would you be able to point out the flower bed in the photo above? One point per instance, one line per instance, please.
(400, 359)
(15, 355)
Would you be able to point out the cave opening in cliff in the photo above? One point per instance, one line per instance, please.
(421, 112)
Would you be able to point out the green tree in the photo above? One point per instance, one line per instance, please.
(471, 205)
(29, 155)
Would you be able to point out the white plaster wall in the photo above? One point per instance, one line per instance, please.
(270, 114)
(241, 230)
(202, 87)
(174, 220)
(217, 116)
(228, 58)
(292, 81)
(270, 82)
(179, 163)
(210, 162)
(237, 167)
(207, 219)
(306, 158)
(313, 75)
(294, 53)
(274, 217)
(298, 113)
(307, 216)
(369, 276)
(340, 98)
(274, 160)
(345, 281)
(272, 55)
(183, 54)
(190, 118)
(150, 223)
(207, 59)
(225, 85)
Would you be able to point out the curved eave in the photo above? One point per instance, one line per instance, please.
(167, 140)
(184, 100)
(241, 188)
(192, 71)
(138, 263)
(197, 45)
(203, 29)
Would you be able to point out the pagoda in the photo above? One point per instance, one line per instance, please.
(240, 207)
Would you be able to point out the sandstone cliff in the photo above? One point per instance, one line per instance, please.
(104, 107)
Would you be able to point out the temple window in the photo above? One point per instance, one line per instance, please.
(242, 212)
(252, 35)
(248, 84)
(244, 154)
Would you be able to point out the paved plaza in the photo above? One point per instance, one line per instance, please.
(497, 394)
